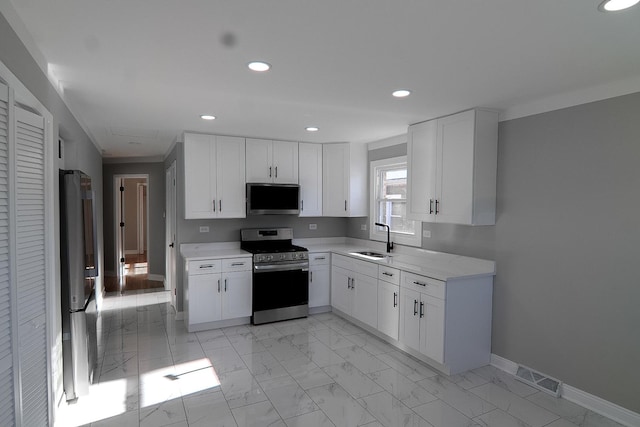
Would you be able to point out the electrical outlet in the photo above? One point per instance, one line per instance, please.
(426, 233)
(363, 227)
(204, 228)
(313, 226)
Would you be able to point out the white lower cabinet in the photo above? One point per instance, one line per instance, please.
(354, 288)
(388, 301)
(319, 280)
(422, 324)
(445, 323)
(217, 290)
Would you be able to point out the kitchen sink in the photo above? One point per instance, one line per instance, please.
(375, 255)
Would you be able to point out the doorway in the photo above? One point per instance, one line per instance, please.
(131, 203)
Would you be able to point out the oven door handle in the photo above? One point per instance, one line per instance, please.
(304, 266)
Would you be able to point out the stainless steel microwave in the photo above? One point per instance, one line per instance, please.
(273, 199)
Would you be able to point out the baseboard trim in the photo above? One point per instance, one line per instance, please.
(156, 277)
(580, 397)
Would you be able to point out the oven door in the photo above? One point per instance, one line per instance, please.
(280, 286)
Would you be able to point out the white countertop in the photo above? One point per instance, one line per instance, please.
(437, 265)
(200, 251)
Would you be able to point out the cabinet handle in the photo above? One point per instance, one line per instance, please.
(348, 282)
(421, 309)
(220, 201)
(214, 205)
(395, 299)
(301, 205)
(437, 204)
(311, 276)
(269, 171)
(430, 206)
(320, 257)
(415, 282)
(225, 285)
(218, 285)
(415, 307)
(276, 171)
(353, 283)
(206, 266)
(345, 205)
(235, 264)
(387, 274)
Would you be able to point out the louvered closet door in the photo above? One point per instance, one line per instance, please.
(30, 263)
(7, 407)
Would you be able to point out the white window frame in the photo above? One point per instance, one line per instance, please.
(380, 233)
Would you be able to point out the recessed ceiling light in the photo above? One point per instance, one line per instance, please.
(258, 66)
(312, 129)
(616, 5)
(207, 117)
(401, 93)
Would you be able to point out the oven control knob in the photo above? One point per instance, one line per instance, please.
(268, 257)
(282, 256)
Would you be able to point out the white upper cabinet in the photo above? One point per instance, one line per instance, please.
(344, 180)
(214, 176)
(272, 161)
(310, 161)
(452, 166)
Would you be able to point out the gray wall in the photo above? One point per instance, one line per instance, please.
(228, 230)
(565, 243)
(156, 197)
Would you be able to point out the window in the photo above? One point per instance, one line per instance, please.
(389, 203)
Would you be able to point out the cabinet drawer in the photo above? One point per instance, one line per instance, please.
(236, 264)
(206, 266)
(423, 284)
(320, 258)
(388, 274)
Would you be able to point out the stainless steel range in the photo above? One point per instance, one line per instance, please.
(280, 274)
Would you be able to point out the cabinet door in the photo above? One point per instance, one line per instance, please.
(365, 299)
(409, 318)
(259, 160)
(319, 286)
(204, 298)
(199, 176)
(285, 162)
(388, 309)
(455, 168)
(310, 174)
(341, 295)
(421, 171)
(236, 294)
(334, 179)
(432, 328)
(231, 189)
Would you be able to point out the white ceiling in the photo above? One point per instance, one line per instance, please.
(143, 71)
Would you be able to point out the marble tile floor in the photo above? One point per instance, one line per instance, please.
(320, 371)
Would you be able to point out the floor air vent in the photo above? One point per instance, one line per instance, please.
(538, 380)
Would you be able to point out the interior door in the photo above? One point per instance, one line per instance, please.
(170, 232)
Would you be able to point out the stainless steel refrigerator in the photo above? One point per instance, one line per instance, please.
(78, 270)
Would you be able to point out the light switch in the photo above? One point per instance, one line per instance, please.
(204, 228)
(426, 233)
(363, 227)
(313, 226)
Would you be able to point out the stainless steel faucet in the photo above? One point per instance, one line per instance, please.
(389, 242)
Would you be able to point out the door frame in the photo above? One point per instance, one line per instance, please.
(116, 214)
(170, 228)
(142, 215)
